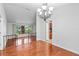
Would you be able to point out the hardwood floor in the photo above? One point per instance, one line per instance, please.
(23, 47)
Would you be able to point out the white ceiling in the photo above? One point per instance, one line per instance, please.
(24, 12)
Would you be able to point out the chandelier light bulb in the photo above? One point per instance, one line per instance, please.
(38, 10)
(45, 11)
(40, 13)
(49, 12)
(44, 7)
(51, 8)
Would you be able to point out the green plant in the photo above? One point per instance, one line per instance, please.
(28, 29)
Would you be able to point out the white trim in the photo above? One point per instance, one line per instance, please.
(66, 48)
(63, 47)
(1, 48)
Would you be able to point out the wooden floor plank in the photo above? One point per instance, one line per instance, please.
(17, 47)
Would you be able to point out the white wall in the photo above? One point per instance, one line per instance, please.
(40, 28)
(34, 28)
(9, 29)
(2, 27)
(66, 27)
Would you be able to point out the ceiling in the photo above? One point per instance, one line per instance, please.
(24, 12)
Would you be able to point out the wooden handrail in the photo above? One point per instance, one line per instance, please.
(8, 36)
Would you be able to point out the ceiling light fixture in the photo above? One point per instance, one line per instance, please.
(45, 11)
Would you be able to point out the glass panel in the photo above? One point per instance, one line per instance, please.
(23, 29)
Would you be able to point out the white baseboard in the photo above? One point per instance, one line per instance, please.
(63, 47)
(1, 48)
(66, 48)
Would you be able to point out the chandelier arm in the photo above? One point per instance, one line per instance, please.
(44, 19)
(45, 12)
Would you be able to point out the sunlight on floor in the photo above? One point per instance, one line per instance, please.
(23, 41)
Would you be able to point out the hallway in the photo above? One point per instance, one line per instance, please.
(33, 48)
(58, 23)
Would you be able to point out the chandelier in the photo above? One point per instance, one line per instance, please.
(45, 11)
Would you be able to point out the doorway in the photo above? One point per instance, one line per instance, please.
(50, 32)
(49, 35)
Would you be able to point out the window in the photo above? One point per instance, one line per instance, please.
(23, 29)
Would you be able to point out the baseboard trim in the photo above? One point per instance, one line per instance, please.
(66, 49)
(1, 48)
(63, 47)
